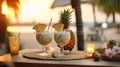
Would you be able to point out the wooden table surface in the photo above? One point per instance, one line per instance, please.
(20, 61)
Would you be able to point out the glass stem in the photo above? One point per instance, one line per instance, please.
(43, 49)
(61, 49)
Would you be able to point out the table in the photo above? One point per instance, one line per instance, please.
(24, 62)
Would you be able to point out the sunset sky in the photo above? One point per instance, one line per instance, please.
(40, 11)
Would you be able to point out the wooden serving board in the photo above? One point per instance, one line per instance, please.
(72, 56)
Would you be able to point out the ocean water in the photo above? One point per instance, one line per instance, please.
(28, 29)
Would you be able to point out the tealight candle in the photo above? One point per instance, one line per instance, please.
(51, 50)
(90, 49)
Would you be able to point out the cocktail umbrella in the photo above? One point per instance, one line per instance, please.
(76, 4)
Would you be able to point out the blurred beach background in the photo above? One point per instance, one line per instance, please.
(40, 11)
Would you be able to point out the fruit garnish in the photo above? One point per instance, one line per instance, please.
(96, 56)
(40, 27)
(58, 26)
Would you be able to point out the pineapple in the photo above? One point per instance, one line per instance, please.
(71, 43)
(65, 18)
(58, 26)
(40, 27)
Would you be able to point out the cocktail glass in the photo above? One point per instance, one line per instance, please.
(62, 38)
(44, 38)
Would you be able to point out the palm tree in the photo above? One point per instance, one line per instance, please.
(94, 16)
(79, 24)
(109, 7)
(14, 4)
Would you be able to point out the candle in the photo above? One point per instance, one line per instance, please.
(51, 50)
(90, 48)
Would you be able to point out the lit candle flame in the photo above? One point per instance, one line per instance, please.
(90, 48)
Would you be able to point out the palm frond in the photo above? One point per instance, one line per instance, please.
(1, 5)
(109, 6)
(14, 4)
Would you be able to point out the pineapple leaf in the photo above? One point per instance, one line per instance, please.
(65, 17)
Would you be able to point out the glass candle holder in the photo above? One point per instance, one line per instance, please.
(90, 49)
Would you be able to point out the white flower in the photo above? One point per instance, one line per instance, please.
(108, 52)
(116, 50)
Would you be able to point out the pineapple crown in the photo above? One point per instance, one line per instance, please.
(65, 17)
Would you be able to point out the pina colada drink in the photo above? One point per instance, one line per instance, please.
(44, 38)
(62, 38)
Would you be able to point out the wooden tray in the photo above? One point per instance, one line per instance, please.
(72, 56)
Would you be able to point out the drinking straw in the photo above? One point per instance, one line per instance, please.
(49, 23)
(18, 36)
